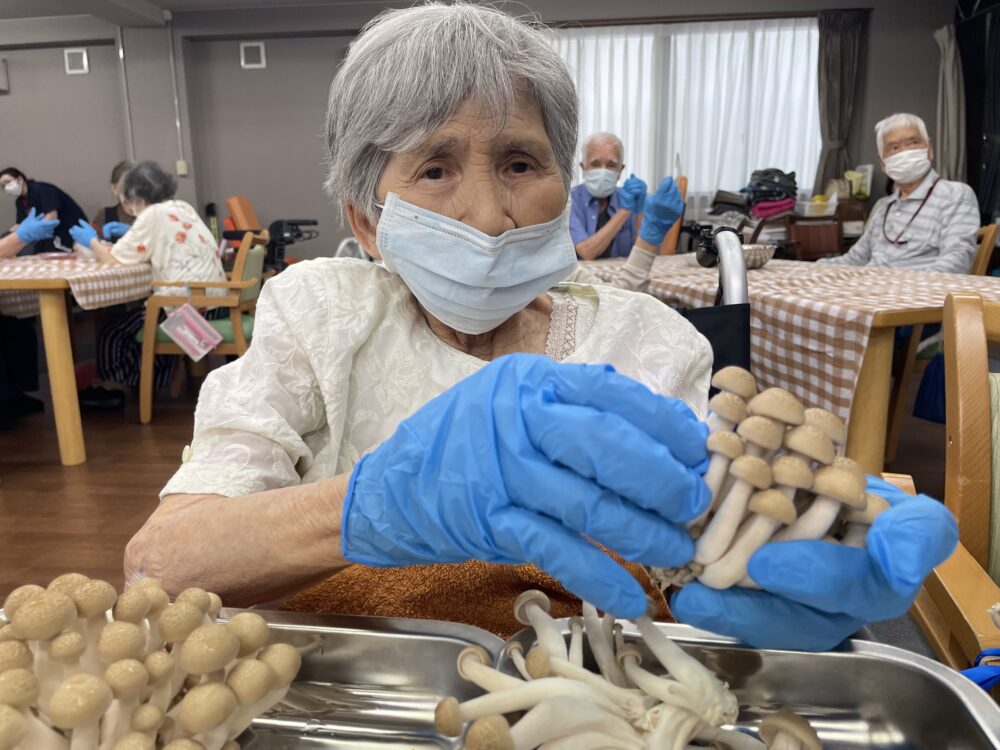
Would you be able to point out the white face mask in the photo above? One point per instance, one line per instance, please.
(466, 279)
(12, 188)
(908, 166)
(600, 182)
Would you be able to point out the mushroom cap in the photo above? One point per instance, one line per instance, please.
(205, 707)
(7, 633)
(849, 464)
(134, 741)
(811, 443)
(12, 727)
(196, 597)
(45, 616)
(79, 701)
(184, 744)
(538, 662)
(178, 621)
(285, 660)
(67, 583)
(513, 646)
(120, 640)
(728, 406)
(127, 678)
(15, 655)
(777, 404)
(160, 666)
(158, 600)
(525, 598)
(729, 444)
(19, 688)
(208, 649)
(448, 717)
(629, 650)
(94, 598)
(471, 654)
(773, 504)
(19, 596)
(489, 733)
(875, 505)
(753, 470)
(762, 431)
(735, 380)
(147, 718)
(252, 631)
(214, 604)
(251, 680)
(790, 723)
(791, 471)
(132, 605)
(828, 423)
(68, 647)
(840, 484)
(575, 623)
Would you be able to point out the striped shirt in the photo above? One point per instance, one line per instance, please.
(942, 236)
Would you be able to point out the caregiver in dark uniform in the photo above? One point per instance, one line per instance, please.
(49, 201)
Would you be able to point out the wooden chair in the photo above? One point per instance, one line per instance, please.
(915, 359)
(817, 237)
(952, 607)
(243, 288)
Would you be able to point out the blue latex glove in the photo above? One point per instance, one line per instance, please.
(632, 195)
(816, 594)
(518, 462)
(987, 676)
(663, 208)
(35, 228)
(83, 233)
(114, 229)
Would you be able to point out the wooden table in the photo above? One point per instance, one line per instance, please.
(93, 286)
(824, 332)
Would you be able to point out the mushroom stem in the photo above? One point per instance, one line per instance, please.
(814, 522)
(515, 652)
(576, 641)
(667, 691)
(542, 665)
(592, 741)
(473, 666)
(750, 472)
(730, 739)
(531, 608)
(601, 647)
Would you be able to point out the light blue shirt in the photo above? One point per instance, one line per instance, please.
(583, 222)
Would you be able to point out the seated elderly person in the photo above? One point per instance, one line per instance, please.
(927, 223)
(453, 411)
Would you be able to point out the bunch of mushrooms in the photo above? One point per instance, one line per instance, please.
(84, 668)
(776, 473)
(622, 706)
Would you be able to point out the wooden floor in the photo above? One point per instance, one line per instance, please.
(55, 519)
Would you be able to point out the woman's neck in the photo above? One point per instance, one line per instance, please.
(525, 332)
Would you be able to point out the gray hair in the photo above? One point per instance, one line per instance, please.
(599, 138)
(898, 120)
(147, 181)
(410, 70)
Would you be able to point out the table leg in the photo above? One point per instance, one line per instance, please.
(62, 380)
(870, 410)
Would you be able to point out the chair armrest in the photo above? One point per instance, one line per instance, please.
(159, 301)
(964, 593)
(245, 284)
(903, 482)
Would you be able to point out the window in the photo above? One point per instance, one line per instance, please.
(727, 97)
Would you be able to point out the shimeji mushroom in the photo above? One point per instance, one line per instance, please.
(576, 641)
(77, 705)
(726, 410)
(132, 606)
(135, 741)
(183, 744)
(725, 447)
(15, 655)
(779, 405)
(120, 640)
(65, 651)
(19, 689)
(749, 473)
(515, 652)
(177, 622)
(729, 739)
(810, 444)
(785, 730)
(601, 646)
(7, 633)
(769, 509)
(127, 679)
(761, 435)
(474, 666)
(161, 667)
(672, 727)
(203, 714)
(592, 741)
(735, 380)
(93, 601)
(251, 681)
(860, 520)
(251, 630)
(147, 719)
(18, 597)
(284, 662)
(208, 651)
(199, 599)
(663, 689)
(552, 718)
(67, 583)
(12, 727)
(38, 621)
(829, 424)
(834, 486)
(532, 608)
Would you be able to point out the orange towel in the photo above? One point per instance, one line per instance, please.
(475, 593)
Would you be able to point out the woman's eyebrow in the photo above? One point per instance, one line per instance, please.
(531, 146)
(433, 149)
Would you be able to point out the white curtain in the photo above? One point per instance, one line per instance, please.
(728, 97)
(949, 147)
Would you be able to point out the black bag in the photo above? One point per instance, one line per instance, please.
(727, 329)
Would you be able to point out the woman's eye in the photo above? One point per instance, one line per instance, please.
(520, 167)
(434, 173)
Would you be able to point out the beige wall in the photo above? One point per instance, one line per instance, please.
(275, 153)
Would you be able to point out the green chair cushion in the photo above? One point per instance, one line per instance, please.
(224, 327)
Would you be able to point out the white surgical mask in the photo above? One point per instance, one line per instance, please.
(466, 279)
(12, 188)
(600, 182)
(908, 166)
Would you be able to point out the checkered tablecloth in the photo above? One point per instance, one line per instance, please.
(91, 284)
(810, 322)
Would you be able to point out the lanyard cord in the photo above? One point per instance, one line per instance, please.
(885, 216)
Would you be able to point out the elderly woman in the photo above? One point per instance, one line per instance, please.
(453, 410)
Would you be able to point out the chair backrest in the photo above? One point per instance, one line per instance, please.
(241, 210)
(969, 325)
(249, 264)
(987, 239)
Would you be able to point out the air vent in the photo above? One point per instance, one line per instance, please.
(77, 62)
(252, 55)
